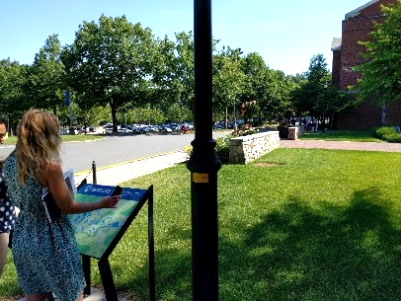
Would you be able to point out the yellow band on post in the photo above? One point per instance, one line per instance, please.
(200, 177)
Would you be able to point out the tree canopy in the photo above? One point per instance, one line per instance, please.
(121, 67)
(309, 96)
(46, 76)
(381, 72)
(109, 62)
(13, 97)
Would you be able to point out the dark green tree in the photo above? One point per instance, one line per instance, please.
(310, 97)
(256, 73)
(13, 98)
(228, 80)
(110, 62)
(381, 73)
(163, 86)
(269, 88)
(46, 76)
(184, 79)
(278, 100)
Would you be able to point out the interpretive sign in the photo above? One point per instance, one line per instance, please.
(96, 230)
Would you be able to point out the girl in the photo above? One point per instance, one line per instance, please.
(45, 254)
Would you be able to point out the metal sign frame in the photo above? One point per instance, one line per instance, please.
(103, 262)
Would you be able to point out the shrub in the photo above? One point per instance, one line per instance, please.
(392, 138)
(384, 131)
(223, 148)
(243, 132)
(188, 149)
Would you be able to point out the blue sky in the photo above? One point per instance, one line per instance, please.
(285, 33)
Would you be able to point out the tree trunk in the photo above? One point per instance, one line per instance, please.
(226, 118)
(113, 115)
(331, 121)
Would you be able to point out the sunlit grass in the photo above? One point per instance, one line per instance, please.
(296, 224)
(362, 136)
(64, 138)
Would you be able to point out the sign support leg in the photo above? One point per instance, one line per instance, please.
(86, 265)
(107, 279)
(151, 244)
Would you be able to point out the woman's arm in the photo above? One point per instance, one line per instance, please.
(62, 196)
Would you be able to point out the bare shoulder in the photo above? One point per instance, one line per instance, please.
(51, 172)
(53, 166)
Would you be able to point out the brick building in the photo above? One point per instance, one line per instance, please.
(356, 26)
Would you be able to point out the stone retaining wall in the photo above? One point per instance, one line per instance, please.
(244, 149)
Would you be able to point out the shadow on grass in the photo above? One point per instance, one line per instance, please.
(173, 276)
(297, 252)
(301, 253)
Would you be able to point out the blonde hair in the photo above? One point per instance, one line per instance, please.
(38, 143)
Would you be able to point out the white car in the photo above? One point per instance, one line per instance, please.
(124, 130)
(108, 130)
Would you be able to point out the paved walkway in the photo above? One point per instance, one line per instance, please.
(118, 173)
(348, 145)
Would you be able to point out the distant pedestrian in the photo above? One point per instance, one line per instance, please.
(314, 124)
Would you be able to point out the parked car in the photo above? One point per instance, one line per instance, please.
(137, 129)
(108, 130)
(124, 130)
(189, 126)
(107, 125)
(75, 130)
(153, 128)
(174, 126)
(165, 129)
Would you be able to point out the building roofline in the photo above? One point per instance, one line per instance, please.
(356, 12)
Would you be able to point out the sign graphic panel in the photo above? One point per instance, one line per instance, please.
(95, 230)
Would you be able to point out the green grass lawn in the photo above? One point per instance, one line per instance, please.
(296, 224)
(65, 138)
(362, 136)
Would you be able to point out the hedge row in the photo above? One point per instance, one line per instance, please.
(388, 134)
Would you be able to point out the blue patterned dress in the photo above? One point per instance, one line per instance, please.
(45, 255)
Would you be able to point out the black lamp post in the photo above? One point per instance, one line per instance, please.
(204, 165)
(325, 86)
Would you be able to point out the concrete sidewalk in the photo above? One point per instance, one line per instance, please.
(345, 145)
(115, 174)
(96, 295)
